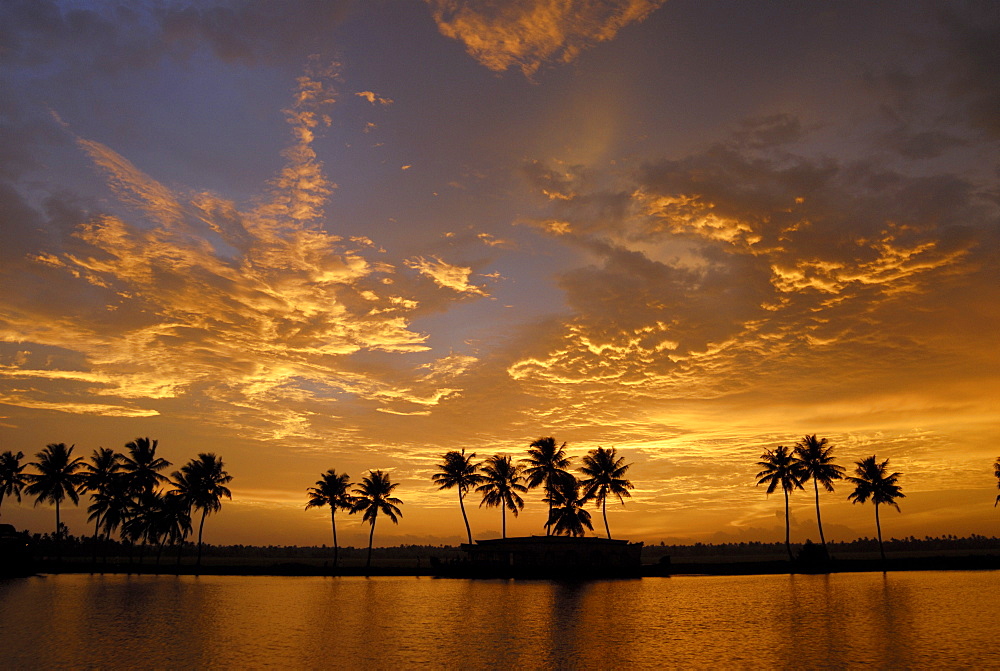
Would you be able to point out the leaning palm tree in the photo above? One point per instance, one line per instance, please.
(873, 481)
(500, 486)
(332, 490)
(781, 468)
(143, 466)
(816, 458)
(996, 472)
(567, 513)
(57, 479)
(98, 476)
(460, 473)
(374, 496)
(207, 478)
(12, 477)
(546, 465)
(605, 470)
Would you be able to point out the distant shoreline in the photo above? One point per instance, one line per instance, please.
(972, 562)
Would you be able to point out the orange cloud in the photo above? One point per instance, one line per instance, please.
(526, 34)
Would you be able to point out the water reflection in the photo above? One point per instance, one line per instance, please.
(895, 620)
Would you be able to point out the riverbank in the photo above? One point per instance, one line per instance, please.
(976, 562)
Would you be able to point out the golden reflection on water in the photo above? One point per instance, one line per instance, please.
(896, 620)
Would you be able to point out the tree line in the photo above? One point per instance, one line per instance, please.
(499, 480)
(129, 493)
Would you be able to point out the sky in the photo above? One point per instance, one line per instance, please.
(357, 235)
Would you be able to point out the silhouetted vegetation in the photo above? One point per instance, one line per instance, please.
(501, 487)
(332, 490)
(605, 472)
(129, 494)
(460, 473)
(781, 468)
(816, 462)
(373, 496)
(12, 476)
(872, 480)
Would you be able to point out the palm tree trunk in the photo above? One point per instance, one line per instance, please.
(180, 548)
(878, 528)
(371, 537)
(503, 519)
(788, 529)
(333, 523)
(201, 528)
(97, 526)
(461, 504)
(58, 535)
(604, 511)
(819, 522)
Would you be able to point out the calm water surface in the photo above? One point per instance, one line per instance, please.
(897, 621)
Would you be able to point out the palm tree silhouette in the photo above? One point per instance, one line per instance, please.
(97, 477)
(145, 523)
(605, 471)
(546, 465)
(332, 490)
(500, 486)
(996, 472)
(815, 456)
(873, 481)
(567, 513)
(459, 472)
(143, 466)
(12, 477)
(176, 520)
(781, 468)
(206, 479)
(112, 505)
(57, 479)
(374, 496)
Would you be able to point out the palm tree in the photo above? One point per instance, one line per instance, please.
(143, 466)
(374, 496)
(112, 505)
(873, 481)
(546, 465)
(97, 477)
(206, 479)
(332, 490)
(500, 486)
(145, 523)
(815, 456)
(996, 472)
(605, 471)
(567, 513)
(781, 468)
(12, 478)
(459, 472)
(57, 479)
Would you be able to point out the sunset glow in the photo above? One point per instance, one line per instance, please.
(357, 235)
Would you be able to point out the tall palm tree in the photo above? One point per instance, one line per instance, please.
(374, 496)
(57, 479)
(816, 457)
(98, 476)
(605, 472)
(332, 490)
(781, 468)
(567, 513)
(12, 477)
(873, 481)
(500, 486)
(546, 465)
(996, 472)
(143, 466)
(207, 478)
(458, 472)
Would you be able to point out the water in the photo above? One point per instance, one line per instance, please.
(897, 621)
